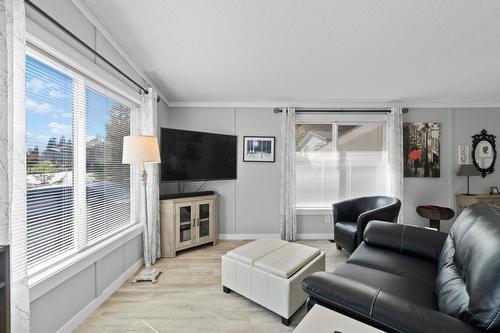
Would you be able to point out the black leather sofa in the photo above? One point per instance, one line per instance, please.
(409, 279)
(351, 216)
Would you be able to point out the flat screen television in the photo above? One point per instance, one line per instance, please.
(190, 156)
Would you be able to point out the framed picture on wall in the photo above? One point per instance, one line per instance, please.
(463, 155)
(421, 145)
(258, 148)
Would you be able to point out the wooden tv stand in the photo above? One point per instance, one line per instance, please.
(186, 222)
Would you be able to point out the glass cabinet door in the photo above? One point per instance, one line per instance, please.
(204, 220)
(184, 224)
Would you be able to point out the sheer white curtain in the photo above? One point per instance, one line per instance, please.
(13, 157)
(144, 122)
(288, 223)
(394, 144)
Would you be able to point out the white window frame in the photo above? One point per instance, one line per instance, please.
(336, 119)
(39, 276)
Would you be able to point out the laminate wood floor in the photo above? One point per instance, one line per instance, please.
(188, 298)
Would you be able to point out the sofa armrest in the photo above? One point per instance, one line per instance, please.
(405, 239)
(378, 308)
(331, 289)
(403, 315)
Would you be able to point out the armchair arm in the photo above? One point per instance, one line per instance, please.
(378, 308)
(405, 239)
(345, 211)
(387, 213)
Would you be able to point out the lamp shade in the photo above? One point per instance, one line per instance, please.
(140, 148)
(467, 170)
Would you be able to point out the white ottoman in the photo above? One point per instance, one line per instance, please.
(269, 272)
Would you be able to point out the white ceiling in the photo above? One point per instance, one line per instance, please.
(312, 51)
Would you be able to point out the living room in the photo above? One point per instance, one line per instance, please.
(214, 166)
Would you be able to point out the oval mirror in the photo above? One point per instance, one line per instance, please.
(484, 153)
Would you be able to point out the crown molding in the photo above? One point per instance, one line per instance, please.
(333, 104)
(452, 104)
(340, 104)
(117, 45)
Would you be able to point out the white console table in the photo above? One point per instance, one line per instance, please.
(323, 320)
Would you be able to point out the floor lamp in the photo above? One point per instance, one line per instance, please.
(142, 149)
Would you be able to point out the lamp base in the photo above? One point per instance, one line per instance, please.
(148, 274)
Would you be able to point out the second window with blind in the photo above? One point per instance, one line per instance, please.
(78, 191)
(339, 159)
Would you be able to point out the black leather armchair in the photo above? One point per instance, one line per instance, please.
(350, 218)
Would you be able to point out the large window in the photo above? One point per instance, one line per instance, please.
(339, 160)
(78, 191)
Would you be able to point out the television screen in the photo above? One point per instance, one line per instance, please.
(188, 155)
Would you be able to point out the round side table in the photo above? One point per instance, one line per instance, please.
(435, 214)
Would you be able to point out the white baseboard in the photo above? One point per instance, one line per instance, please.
(80, 317)
(323, 236)
(272, 236)
(248, 236)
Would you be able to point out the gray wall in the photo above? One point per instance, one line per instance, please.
(55, 308)
(436, 191)
(457, 127)
(467, 122)
(250, 205)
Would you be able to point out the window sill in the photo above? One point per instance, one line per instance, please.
(313, 211)
(46, 280)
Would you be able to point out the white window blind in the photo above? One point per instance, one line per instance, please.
(78, 192)
(339, 160)
(107, 179)
(49, 162)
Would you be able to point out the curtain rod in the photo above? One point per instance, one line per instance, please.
(81, 42)
(280, 110)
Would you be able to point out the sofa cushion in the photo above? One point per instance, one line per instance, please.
(467, 284)
(287, 260)
(405, 239)
(253, 251)
(411, 267)
(411, 290)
